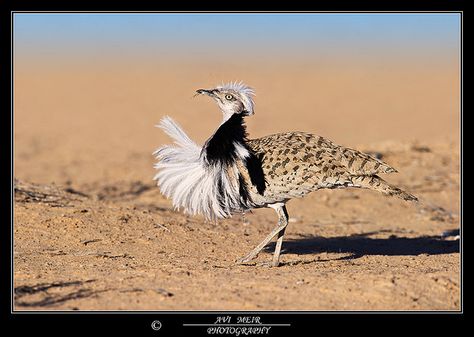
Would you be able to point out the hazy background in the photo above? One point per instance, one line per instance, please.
(89, 88)
(253, 37)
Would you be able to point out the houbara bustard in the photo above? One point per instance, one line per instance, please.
(232, 174)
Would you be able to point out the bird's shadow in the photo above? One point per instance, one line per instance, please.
(359, 245)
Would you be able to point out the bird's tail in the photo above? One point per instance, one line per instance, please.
(378, 184)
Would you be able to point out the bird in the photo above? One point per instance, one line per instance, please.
(231, 173)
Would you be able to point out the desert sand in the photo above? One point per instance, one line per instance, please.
(93, 232)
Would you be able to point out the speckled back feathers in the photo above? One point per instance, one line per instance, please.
(297, 163)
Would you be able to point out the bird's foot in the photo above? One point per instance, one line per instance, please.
(269, 264)
(274, 263)
(246, 258)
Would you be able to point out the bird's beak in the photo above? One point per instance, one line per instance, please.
(205, 92)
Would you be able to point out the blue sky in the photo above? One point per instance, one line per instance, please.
(224, 35)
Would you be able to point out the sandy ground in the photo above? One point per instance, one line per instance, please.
(92, 232)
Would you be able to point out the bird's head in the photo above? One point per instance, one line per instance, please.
(232, 98)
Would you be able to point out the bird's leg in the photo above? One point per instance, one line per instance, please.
(282, 218)
(279, 229)
(253, 254)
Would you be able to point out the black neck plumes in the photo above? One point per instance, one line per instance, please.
(222, 148)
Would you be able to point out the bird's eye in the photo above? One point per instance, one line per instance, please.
(229, 97)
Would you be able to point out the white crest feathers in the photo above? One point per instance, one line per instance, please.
(245, 92)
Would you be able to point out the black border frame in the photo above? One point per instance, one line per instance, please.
(139, 322)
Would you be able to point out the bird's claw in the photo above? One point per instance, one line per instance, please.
(245, 259)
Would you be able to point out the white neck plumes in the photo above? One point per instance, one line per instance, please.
(194, 183)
